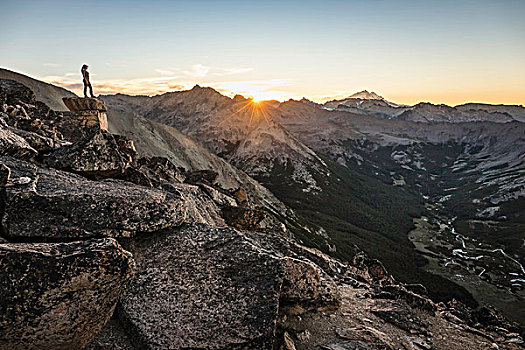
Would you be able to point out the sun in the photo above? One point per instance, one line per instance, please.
(259, 96)
(253, 110)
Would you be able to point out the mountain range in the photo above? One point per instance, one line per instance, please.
(436, 193)
(367, 176)
(370, 103)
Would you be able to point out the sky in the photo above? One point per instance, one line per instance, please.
(407, 51)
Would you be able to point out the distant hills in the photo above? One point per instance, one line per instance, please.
(370, 103)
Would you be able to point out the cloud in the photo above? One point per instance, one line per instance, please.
(72, 86)
(258, 89)
(200, 71)
(197, 70)
(233, 71)
(139, 86)
(165, 71)
(52, 65)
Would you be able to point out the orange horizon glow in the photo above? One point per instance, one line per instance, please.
(281, 90)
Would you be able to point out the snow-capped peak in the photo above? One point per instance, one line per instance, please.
(365, 95)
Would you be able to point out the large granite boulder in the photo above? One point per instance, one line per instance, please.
(201, 287)
(101, 156)
(76, 126)
(77, 104)
(59, 295)
(48, 203)
(106, 155)
(86, 114)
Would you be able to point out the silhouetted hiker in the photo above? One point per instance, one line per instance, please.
(85, 76)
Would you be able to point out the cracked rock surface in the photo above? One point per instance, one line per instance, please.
(49, 203)
(59, 295)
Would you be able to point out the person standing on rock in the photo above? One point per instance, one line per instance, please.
(87, 83)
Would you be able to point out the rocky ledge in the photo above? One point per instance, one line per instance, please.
(76, 104)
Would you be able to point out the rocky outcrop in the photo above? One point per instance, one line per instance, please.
(90, 111)
(59, 295)
(24, 116)
(21, 111)
(210, 288)
(78, 104)
(102, 156)
(48, 203)
(203, 288)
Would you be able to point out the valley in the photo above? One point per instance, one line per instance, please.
(490, 274)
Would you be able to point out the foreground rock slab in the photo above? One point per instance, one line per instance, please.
(202, 288)
(59, 295)
(48, 203)
(104, 155)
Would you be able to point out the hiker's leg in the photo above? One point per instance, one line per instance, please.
(85, 90)
(91, 90)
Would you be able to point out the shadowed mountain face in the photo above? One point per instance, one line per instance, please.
(369, 176)
(159, 140)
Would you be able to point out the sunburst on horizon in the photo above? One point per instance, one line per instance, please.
(253, 109)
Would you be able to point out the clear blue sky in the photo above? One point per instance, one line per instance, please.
(408, 51)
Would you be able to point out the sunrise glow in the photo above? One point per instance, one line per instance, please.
(435, 51)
